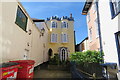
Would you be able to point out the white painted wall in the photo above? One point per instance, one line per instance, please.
(14, 39)
(108, 29)
(0, 32)
(86, 44)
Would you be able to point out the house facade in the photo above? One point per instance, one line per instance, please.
(109, 24)
(83, 46)
(92, 23)
(61, 36)
(108, 19)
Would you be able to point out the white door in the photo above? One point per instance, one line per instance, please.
(63, 54)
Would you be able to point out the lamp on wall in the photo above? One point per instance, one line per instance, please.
(29, 31)
(42, 31)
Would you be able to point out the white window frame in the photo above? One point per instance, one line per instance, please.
(53, 38)
(96, 27)
(55, 24)
(64, 38)
(90, 34)
(88, 17)
(94, 6)
(119, 38)
(116, 6)
(64, 24)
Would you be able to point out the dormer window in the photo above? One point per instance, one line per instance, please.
(53, 24)
(64, 24)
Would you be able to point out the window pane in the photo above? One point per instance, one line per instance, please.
(119, 40)
(115, 6)
(53, 37)
(90, 34)
(94, 6)
(56, 38)
(21, 19)
(88, 17)
(64, 25)
(54, 24)
(96, 26)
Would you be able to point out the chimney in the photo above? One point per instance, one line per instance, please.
(71, 15)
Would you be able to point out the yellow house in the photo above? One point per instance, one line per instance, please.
(61, 36)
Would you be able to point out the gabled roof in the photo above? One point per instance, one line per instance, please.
(83, 40)
(87, 6)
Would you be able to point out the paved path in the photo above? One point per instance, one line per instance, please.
(43, 72)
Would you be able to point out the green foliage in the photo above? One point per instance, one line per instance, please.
(55, 60)
(87, 57)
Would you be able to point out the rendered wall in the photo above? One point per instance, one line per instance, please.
(70, 31)
(16, 43)
(108, 29)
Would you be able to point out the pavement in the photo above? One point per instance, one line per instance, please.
(44, 72)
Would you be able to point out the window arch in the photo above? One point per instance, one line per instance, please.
(53, 24)
(64, 24)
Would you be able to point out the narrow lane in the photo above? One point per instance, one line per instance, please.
(44, 72)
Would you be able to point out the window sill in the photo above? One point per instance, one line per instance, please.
(64, 42)
(53, 28)
(88, 21)
(20, 27)
(53, 42)
(64, 28)
(91, 41)
(97, 37)
(94, 11)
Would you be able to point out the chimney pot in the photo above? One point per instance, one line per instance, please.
(71, 15)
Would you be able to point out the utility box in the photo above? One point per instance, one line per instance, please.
(25, 71)
(110, 70)
(8, 71)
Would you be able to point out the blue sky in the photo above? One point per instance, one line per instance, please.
(43, 10)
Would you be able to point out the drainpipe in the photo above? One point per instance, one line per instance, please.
(74, 41)
(99, 30)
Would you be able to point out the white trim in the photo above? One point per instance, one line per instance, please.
(64, 38)
(53, 38)
(63, 55)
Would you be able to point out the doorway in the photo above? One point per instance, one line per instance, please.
(50, 53)
(63, 54)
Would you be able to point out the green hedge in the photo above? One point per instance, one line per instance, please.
(87, 57)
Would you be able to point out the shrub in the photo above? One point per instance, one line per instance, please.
(87, 57)
(55, 60)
